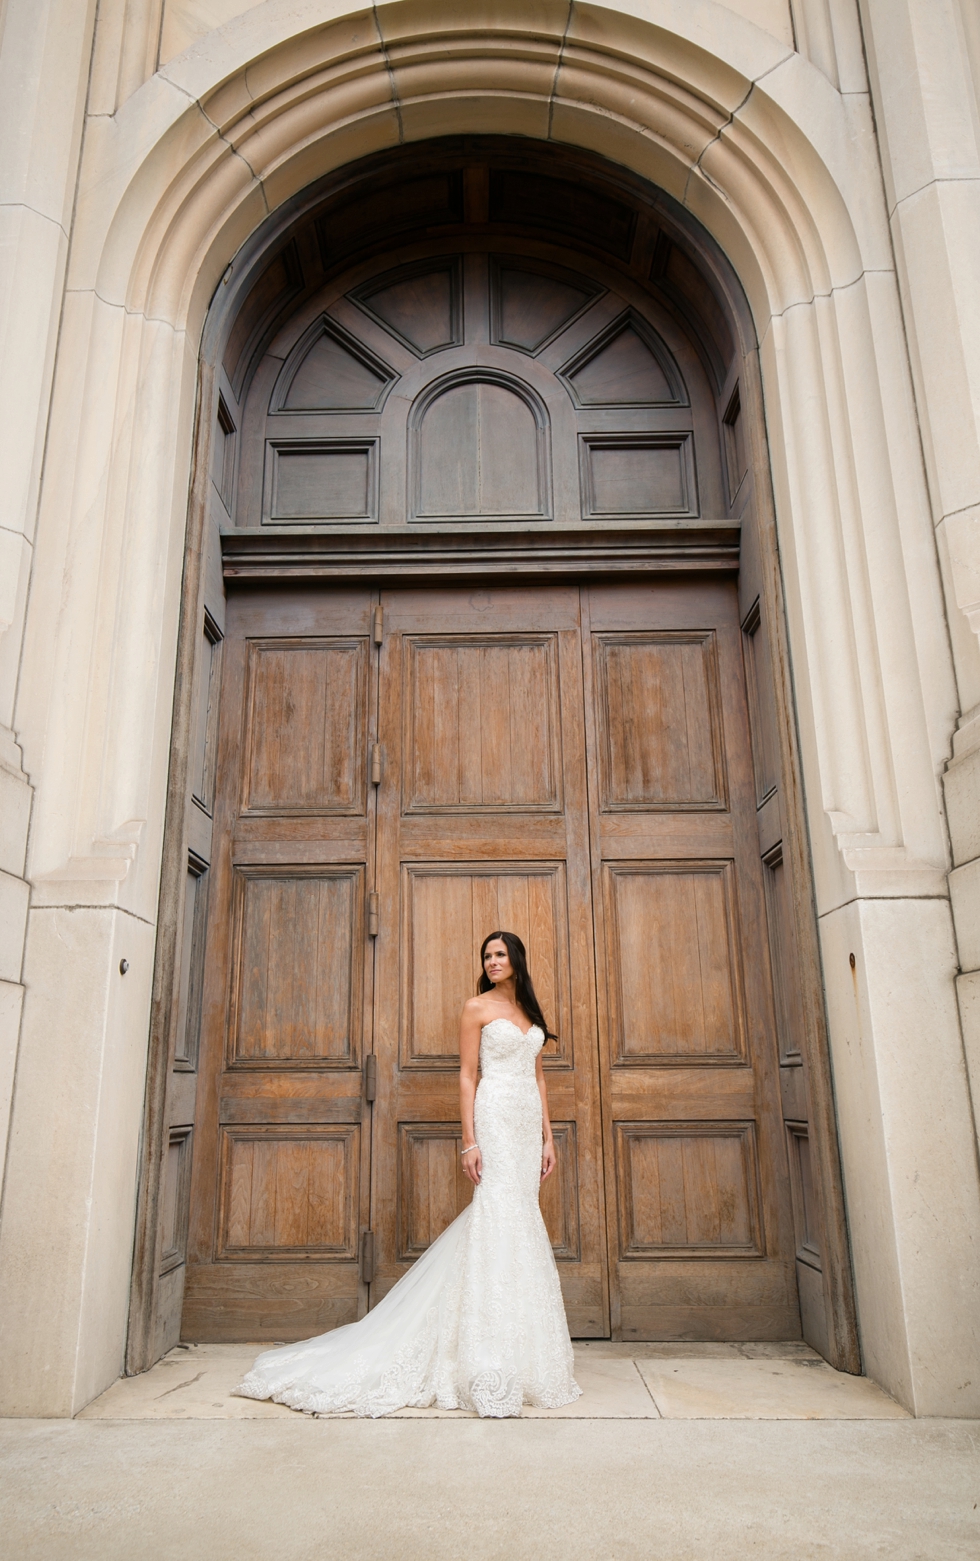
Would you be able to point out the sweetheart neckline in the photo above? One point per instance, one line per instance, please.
(514, 1026)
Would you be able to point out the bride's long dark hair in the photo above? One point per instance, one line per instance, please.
(526, 998)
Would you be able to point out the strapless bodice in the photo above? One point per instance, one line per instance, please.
(507, 1052)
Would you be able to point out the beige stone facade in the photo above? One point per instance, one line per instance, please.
(832, 149)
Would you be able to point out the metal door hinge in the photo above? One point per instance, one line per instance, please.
(371, 1076)
(375, 764)
(378, 631)
(374, 913)
(367, 1256)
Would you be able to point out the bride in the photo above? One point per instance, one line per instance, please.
(478, 1321)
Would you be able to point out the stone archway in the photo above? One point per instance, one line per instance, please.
(555, 301)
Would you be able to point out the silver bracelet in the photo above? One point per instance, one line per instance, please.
(468, 1151)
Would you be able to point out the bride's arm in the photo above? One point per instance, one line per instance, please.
(469, 1063)
(548, 1147)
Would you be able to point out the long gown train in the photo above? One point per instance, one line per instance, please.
(478, 1321)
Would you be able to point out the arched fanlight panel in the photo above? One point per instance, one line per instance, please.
(479, 449)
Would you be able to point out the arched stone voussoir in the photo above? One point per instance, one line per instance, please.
(233, 133)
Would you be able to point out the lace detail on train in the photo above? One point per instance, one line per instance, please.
(478, 1321)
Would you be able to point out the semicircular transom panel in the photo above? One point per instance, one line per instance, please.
(480, 451)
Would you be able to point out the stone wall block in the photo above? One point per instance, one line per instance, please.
(11, 1005)
(938, 236)
(15, 814)
(14, 897)
(132, 161)
(616, 137)
(370, 133)
(63, 623)
(963, 638)
(871, 1214)
(821, 496)
(920, 76)
(962, 532)
(44, 64)
(103, 678)
(912, 1191)
(485, 114)
(66, 1241)
(347, 46)
(522, 72)
(16, 558)
(962, 787)
(35, 252)
(706, 45)
(964, 892)
(675, 116)
(229, 201)
(440, 23)
(968, 997)
(905, 586)
(836, 146)
(293, 118)
(776, 223)
(190, 21)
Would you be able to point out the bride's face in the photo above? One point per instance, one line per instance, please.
(496, 961)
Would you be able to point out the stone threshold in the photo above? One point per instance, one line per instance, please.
(619, 1382)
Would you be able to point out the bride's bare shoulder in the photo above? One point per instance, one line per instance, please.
(477, 1008)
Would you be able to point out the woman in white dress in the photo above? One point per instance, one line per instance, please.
(478, 1321)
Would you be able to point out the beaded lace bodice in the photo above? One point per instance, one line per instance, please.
(506, 1051)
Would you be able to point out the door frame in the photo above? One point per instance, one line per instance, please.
(522, 558)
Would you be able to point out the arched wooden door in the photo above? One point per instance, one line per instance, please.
(404, 767)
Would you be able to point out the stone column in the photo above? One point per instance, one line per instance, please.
(71, 906)
(45, 47)
(925, 66)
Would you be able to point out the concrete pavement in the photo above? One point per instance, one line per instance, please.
(717, 1454)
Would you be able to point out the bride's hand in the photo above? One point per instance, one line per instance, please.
(547, 1159)
(473, 1166)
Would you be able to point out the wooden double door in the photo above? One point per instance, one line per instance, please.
(400, 773)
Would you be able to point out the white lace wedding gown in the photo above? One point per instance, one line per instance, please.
(478, 1321)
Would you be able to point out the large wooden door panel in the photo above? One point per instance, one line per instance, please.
(659, 722)
(673, 963)
(699, 1241)
(481, 715)
(297, 967)
(305, 731)
(288, 1192)
(687, 1189)
(483, 724)
(281, 1180)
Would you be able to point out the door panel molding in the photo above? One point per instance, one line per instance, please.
(529, 898)
(688, 1190)
(288, 1191)
(674, 957)
(297, 935)
(490, 709)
